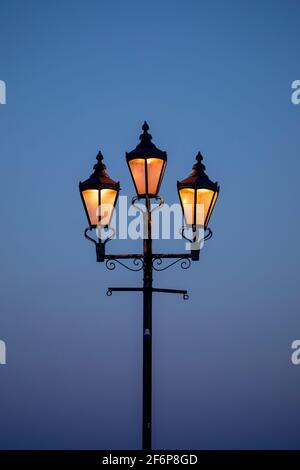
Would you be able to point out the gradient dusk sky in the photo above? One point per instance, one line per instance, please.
(207, 75)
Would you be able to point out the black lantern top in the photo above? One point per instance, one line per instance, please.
(99, 179)
(146, 148)
(198, 179)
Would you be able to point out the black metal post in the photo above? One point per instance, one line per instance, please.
(147, 332)
(146, 261)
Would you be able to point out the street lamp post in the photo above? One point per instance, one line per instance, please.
(99, 194)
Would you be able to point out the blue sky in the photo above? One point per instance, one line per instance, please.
(212, 76)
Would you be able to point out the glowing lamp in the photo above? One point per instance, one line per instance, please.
(198, 195)
(147, 165)
(99, 194)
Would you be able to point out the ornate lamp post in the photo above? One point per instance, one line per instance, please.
(99, 195)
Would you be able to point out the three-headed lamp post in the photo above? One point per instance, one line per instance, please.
(99, 194)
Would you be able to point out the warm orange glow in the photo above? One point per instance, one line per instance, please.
(90, 197)
(187, 196)
(212, 206)
(99, 215)
(154, 166)
(154, 170)
(204, 198)
(203, 208)
(108, 198)
(137, 167)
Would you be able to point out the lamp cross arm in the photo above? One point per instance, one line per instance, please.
(182, 292)
(171, 255)
(124, 256)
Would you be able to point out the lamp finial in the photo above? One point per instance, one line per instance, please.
(99, 156)
(99, 166)
(145, 138)
(199, 165)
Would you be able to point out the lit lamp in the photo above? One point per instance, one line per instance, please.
(146, 165)
(198, 195)
(99, 195)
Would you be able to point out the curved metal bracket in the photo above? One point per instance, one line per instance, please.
(160, 203)
(99, 244)
(110, 237)
(135, 199)
(88, 229)
(194, 239)
(139, 207)
(185, 263)
(209, 235)
(96, 242)
(138, 262)
(183, 229)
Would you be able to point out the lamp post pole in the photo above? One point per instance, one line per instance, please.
(147, 165)
(147, 331)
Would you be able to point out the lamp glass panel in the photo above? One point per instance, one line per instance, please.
(108, 199)
(204, 198)
(154, 169)
(137, 168)
(91, 200)
(187, 196)
(211, 207)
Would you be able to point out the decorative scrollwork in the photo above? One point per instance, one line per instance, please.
(209, 235)
(185, 263)
(109, 231)
(195, 235)
(138, 262)
(100, 240)
(139, 207)
(142, 208)
(88, 237)
(161, 202)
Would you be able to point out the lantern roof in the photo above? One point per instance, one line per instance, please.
(99, 179)
(146, 148)
(198, 178)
